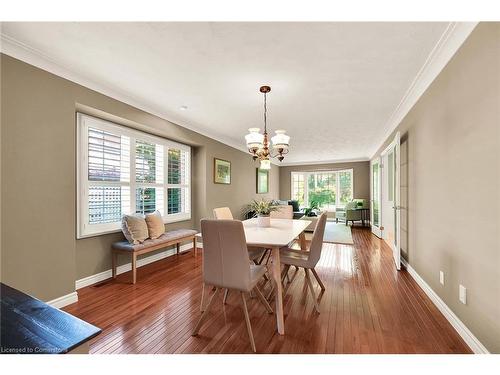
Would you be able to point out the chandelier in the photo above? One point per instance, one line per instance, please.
(258, 144)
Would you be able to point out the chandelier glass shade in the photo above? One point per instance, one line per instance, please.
(265, 164)
(258, 144)
(254, 139)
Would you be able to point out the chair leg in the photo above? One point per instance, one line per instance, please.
(270, 294)
(284, 274)
(226, 292)
(318, 279)
(311, 289)
(263, 300)
(294, 274)
(290, 281)
(203, 292)
(259, 262)
(202, 297)
(247, 321)
(204, 315)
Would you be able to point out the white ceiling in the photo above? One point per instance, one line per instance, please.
(334, 85)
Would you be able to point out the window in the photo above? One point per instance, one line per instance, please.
(328, 188)
(121, 171)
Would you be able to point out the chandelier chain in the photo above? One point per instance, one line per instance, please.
(265, 112)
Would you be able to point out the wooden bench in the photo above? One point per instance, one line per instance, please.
(174, 237)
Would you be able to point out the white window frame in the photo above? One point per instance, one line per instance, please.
(83, 122)
(306, 175)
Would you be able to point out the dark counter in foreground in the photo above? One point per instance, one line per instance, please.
(30, 326)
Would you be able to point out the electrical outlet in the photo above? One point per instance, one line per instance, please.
(441, 277)
(462, 294)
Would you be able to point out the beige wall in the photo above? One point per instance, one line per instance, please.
(361, 172)
(40, 253)
(451, 139)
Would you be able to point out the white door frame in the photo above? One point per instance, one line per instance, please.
(376, 230)
(396, 244)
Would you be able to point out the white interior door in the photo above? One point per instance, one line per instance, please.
(375, 192)
(391, 195)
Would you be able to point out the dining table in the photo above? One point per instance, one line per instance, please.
(280, 233)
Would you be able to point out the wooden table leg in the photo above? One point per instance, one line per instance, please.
(302, 238)
(276, 276)
(113, 264)
(194, 247)
(134, 268)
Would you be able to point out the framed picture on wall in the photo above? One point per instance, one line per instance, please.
(262, 181)
(222, 171)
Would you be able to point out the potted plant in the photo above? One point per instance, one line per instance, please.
(310, 210)
(262, 209)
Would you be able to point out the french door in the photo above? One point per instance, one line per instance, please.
(391, 196)
(375, 211)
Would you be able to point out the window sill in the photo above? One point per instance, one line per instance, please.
(170, 220)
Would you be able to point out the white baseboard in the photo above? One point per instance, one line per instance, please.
(98, 277)
(464, 332)
(66, 300)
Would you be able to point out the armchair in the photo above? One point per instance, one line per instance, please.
(351, 211)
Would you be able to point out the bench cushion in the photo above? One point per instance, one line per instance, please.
(164, 238)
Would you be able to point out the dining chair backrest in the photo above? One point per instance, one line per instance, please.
(223, 213)
(317, 241)
(283, 212)
(225, 256)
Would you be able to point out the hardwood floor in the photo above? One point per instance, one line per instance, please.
(368, 307)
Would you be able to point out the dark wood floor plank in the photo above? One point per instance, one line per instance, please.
(368, 307)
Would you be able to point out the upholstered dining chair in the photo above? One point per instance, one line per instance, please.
(306, 259)
(226, 265)
(223, 213)
(283, 212)
(256, 254)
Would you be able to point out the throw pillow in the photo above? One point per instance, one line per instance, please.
(134, 228)
(155, 225)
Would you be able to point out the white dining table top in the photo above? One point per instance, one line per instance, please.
(280, 233)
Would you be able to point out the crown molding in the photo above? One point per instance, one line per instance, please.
(450, 41)
(21, 51)
(316, 162)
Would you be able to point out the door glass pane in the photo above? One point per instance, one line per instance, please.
(375, 194)
(390, 176)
